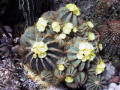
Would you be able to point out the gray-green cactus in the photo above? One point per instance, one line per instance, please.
(95, 82)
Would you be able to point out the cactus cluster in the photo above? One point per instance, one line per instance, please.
(61, 47)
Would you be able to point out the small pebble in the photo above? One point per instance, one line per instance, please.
(112, 85)
(117, 87)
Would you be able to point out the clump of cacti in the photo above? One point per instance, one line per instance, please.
(54, 52)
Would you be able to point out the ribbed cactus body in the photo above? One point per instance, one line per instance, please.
(65, 16)
(53, 53)
(95, 83)
(49, 15)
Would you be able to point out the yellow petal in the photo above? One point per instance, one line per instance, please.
(92, 57)
(77, 12)
(102, 64)
(40, 49)
(100, 67)
(71, 7)
(41, 28)
(87, 52)
(84, 60)
(61, 67)
(62, 36)
(56, 26)
(69, 79)
(91, 36)
(34, 56)
(69, 25)
(66, 30)
(75, 29)
(56, 29)
(99, 71)
(100, 47)
(42, 21)
(90, 24)
(80, 56)
(42, 55)
(85, 45)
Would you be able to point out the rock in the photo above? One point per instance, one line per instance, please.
(117, 87)
(110, 71)
(112, 85)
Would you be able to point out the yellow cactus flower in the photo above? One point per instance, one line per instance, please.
(42, 54)
(84, 60)
(91, 36)
(56, 27)
(73, 8)
(90, 24)
(61, 67)
(76, 12)
(79, 55)
(75, 29)
(100, 47)
(62, 36)
(34, 56)
(67, 28)
(69, 79)
(102, 64)
(41, 24)
(100, 67)
(85, 45)
(41, 28)
(86, 52)
(39, 48)
(92, 56)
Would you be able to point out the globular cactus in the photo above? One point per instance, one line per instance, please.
(74, 78)
(70, 13)
(62, 64)
(80, 52)
(81, 49)
(70, 77)
(42, 52)
(97, 67)
(95, 82)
